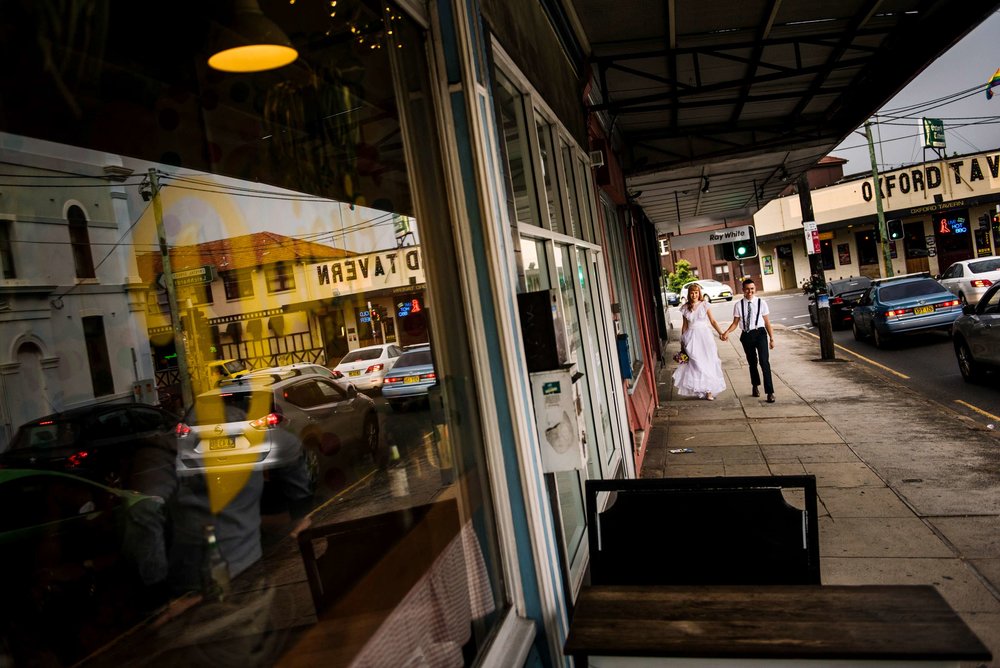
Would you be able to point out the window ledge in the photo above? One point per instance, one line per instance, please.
(511, 644)
(637, 370)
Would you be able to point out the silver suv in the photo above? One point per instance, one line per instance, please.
(267, 419)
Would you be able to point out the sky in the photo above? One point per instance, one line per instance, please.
(899, 141)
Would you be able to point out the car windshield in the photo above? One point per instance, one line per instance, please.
(414, 358)
(891, 293)
(229, 407)
(46, 434)
(980, 266)
(234, 366)
(362, 354)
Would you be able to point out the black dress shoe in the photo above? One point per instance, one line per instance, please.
(756, 391)
(770, 398)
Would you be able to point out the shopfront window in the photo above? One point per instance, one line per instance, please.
(255, 480)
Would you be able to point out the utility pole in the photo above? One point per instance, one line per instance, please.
(818, 278)
(168, 282)
(883, 236)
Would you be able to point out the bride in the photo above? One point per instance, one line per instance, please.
(701, 375)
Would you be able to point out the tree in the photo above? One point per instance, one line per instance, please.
(680, 276)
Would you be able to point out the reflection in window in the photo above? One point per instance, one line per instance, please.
(237, 283)
(79, 239)
(510, 110)
(621, 279)
(573, 223)
(546, 159)
(280, 277)
(535, 263)
(296, 179)
(6, 251)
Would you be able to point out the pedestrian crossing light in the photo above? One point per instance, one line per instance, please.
(742, 249)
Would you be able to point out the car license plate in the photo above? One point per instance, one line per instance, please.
(411, 379)
(221, 443)
(921, 310)
(354, 373)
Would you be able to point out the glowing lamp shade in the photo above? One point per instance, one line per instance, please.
(252, 43)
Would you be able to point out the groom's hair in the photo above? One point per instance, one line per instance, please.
(747, 281)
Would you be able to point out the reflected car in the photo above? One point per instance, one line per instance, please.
(268, 420)
(976, 335)
(69, 555)
(108, 443)
(410, 378)
(220, 371)
(970, 279)
(844, 294)
(365, 368)
(714, 290)
(906, 304)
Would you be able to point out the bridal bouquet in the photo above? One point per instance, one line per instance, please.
(681, 357)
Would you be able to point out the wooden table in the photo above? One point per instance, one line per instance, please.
(760, 625)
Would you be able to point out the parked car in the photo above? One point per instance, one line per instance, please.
(69, 563)
(266, 420)
(223, 370)
(903, 305)
(714, 290)
(410, 378)
(970, 279)
(671, 298)
(303, 367)
(366, 367)
(844, 295)
(107, 443)
(976, 335)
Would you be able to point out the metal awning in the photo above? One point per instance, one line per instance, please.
(719, 106)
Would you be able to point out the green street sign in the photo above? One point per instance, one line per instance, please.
(933, 133)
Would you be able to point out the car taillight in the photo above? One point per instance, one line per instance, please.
(837, 300)
(77, 458)
(981, 283)
(337, 374)
(428, 376)
(389, 380)
(948, 304)
(897, 311)
(375, 367)
(182, 430)
(267, 422)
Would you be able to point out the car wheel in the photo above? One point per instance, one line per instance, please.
(971, 372)
(881, 340)
(369, 436)
(857, 332)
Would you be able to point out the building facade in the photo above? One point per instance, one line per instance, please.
(946, 208)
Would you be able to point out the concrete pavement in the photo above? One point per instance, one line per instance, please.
(909, 490)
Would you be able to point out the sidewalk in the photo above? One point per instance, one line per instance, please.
(909, 490)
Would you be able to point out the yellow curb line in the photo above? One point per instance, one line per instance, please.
(978, 410)
(862, 357)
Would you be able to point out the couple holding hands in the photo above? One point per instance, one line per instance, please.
(701, 375)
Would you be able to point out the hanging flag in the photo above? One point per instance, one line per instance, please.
(994, 80)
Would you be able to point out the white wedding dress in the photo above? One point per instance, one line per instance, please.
(702, 373)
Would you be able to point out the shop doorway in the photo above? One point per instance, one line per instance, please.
(868, 254)
(954, 239)
(915, 248)
(786, 267)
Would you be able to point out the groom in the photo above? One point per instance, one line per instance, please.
(751, 314)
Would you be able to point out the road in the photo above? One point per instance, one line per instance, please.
(925, 363)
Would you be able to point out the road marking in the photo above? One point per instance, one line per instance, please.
(978, 410)
(866, 359)
(801, 316)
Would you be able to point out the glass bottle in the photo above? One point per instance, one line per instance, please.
(215, 585)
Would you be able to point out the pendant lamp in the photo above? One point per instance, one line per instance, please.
(251, 43)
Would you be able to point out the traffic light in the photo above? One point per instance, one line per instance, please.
(984, 221)
(895, 228)
(741, 250)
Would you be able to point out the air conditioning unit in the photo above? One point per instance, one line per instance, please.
(597, 158)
